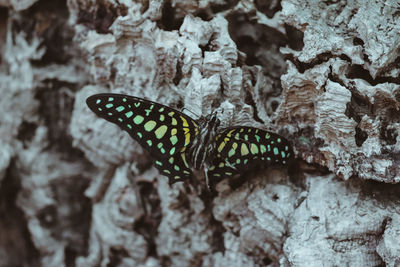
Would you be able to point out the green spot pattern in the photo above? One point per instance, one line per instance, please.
(169, 135)
(120, 108)
(138, 119)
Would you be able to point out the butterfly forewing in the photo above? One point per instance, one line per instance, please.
(241, 148)
(163, 131)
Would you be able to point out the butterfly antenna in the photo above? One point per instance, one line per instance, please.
(196, 115)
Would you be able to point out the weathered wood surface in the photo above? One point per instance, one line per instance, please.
(325, 74)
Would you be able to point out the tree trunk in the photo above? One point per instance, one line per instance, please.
(75, 190)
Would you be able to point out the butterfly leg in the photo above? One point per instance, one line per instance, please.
(207, 180)
(228, 164)
(135, 186)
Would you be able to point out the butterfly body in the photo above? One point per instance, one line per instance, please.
(178, 144)
(204, 144)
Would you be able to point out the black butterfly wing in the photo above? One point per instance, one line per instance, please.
(241, 148)
(163, 131)
(174, 167)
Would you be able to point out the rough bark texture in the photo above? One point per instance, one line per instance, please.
(77, 191)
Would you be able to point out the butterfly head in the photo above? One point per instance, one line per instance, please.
(212, 121)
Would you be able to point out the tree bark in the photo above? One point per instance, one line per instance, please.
(75, 190)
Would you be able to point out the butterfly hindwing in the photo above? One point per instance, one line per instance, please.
(174, 167)
(241, 148)
(163, 131)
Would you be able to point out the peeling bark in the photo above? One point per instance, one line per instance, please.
(77, 191)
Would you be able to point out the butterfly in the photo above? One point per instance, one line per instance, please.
(178, 144)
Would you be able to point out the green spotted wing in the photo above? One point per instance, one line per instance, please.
(161, 130)
(239, 149)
